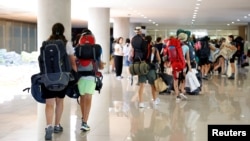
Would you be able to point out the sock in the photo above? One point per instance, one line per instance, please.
(49, 125)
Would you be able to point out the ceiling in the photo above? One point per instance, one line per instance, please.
(211, 14)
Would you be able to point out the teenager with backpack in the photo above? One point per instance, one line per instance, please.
(178, 57)
(54, 99)
(144, 51)
(88, 56)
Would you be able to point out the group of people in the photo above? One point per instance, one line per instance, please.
(215, 59)
(54, 100)
(120, 52)
(125, 53)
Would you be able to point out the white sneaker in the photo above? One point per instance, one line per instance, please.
(119, 77)
(156, 101)
(183, 96)
(141, 105)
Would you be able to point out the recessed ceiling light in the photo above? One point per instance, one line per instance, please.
(150, 20)
(196, 7)
(249, 15)
(145, 17)
(153, 22)
(156, 24)
(238, 20)
(195, 10)
(245, 17)
(232, 22)
(198, 4)
(199, 0)
(193, 20)
(228, 24)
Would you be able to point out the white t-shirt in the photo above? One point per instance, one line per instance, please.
(118, 50)
(126, 49)
(69, 48)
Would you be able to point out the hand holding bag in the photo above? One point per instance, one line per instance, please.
(160, 85)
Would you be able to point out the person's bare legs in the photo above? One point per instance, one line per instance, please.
(222, 61)
(154, 92)
(85, 104)
(49, 110)
(58, 110)
(140, 92)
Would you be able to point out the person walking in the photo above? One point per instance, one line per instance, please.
(55, 99)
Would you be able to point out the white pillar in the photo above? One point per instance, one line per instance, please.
(49, 13)
(99, 24)
(131, 30)
(121, 28)
(248, 32)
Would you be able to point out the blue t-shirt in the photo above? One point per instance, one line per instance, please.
(185, 49)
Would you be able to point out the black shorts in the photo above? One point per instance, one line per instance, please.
(203, 61)
(233, 58)
(46, 94)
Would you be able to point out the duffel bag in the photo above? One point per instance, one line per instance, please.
(139, 68)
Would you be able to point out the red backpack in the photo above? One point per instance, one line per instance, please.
(175, 55)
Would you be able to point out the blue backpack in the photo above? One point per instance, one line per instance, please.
(35, 88)
(54, 65)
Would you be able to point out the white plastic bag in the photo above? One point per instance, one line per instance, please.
(192, 81)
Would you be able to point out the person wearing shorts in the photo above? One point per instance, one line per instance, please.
(86, 83)
(150, 76)
(232, 60)
(54, 100)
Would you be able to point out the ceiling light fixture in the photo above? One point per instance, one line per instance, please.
(245, 17)
(238, 20)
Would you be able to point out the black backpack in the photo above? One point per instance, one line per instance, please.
(54, 65)
(204, 51)
(140, 48)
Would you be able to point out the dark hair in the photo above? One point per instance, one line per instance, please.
(127, 40)
(231, 36)
(148, 38)
(118, 40)
(57, 32)
(158, 39)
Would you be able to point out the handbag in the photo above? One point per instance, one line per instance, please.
(160, 85)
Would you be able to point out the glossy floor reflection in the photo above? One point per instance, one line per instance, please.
(115, 115)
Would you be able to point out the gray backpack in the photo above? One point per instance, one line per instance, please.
(54, 65)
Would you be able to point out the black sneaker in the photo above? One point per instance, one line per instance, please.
(205, 77)
(58, 129)
(48, 133)
(231, 77)
(85, 127)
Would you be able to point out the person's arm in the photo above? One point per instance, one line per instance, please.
(70, 51)
(72, 59)
(158, 57)
(188, 61)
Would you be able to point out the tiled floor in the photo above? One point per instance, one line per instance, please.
(115, 115)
